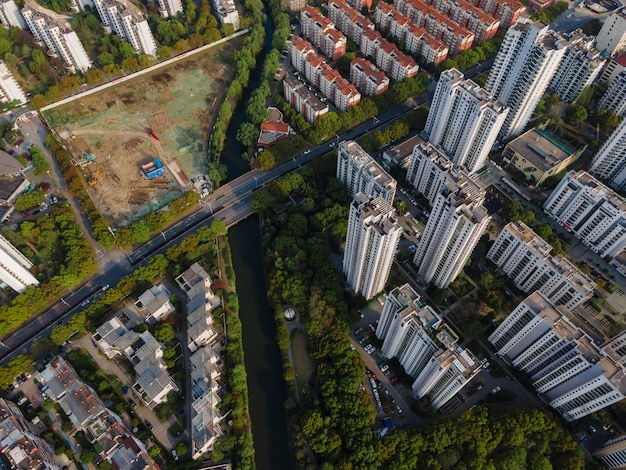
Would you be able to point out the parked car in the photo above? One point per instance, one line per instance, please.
(148, 424)
(124, 389)
(495, 390)
(174, 454)
(132, 403)
(394, 380)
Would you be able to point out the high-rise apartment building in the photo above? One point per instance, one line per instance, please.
(570, 373)
(126, 20)
(528, 58)
(612, 36)
(613, 453)
(445, 374)
(413, 333)
(10, 90)
(21, 445)
(463, 120)
(525, 257)
(371, 243)
(610, 161)
(170, 7)
(581, 65)
(362, 174)
(591, 211)
(614, 97)
(432, 174)
(407, 323)
(615, 348)
(14, 267)
(226, 12)
(58, 36)
(456, 223)
(10, 15)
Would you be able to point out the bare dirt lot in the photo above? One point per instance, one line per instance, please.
(177, 103)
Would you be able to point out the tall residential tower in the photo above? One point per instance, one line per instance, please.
(456, 223)
(463, 120)
(528, 58)
(371, 242)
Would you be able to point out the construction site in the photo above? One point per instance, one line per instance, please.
(142, 143)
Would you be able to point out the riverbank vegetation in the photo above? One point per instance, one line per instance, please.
(332, 421)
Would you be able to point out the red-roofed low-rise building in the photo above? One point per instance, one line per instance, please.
(300, 49)
(507, 12)
(433, 50)
(346, 95)
(322, 33)
(360, 4)
(367, 78)
(272, 132)
(349, 20)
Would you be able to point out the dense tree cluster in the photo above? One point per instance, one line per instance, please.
(468, 58)
(480, 439)
(62, 255)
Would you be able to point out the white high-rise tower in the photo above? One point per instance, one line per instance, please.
(456, 223)
(464, 120)
(371, 242)
(527, 60)
(610, 161)
(14, 267)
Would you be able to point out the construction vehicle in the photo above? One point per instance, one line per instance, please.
(102, 168)
(152, 134)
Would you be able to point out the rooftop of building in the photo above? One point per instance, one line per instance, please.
(10, 184)
(405, 294)
(621, 60)
(599, 188)
(9, 165)
(153, 299)
(193, 279)
(405, 148)
(52, 18)
(534, 242)
(305, 94)
(538, 303)
(364, 159)
(374, 207)
(272, 132)
(461, 359)
(131, 455)
(541, 148)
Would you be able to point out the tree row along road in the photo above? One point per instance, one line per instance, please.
(230, 203)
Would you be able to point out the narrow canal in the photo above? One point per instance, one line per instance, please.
(267, 392)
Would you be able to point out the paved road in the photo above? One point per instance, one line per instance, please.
(230, 203)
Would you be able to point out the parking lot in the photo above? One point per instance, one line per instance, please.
(390, 399)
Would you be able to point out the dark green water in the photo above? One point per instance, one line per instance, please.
(262, 357)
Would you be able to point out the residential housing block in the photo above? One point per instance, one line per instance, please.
(414, 334)
(14, 267)
(525, 257)
(322, 33)
(367, 78)
(464, 120)
(591, 211)
(205, 358)
(362, 174)
(456, 223)
(611, 38)
(10, 90)
(614, 98)
(127, 21)
(10, 15)
(371, 242)
(55, 32)
(528, 58)
(304, 101)
(610, 161)
(321, 75)
(569, 372)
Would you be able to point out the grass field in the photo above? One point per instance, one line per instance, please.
(177, 102)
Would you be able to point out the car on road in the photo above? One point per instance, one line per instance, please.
(495, 390)
(180, 413)
(332, 144)
(307, 151)
(105, 287)
(399, 409)
(85, 303)
(148, 424)
(132, 403)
